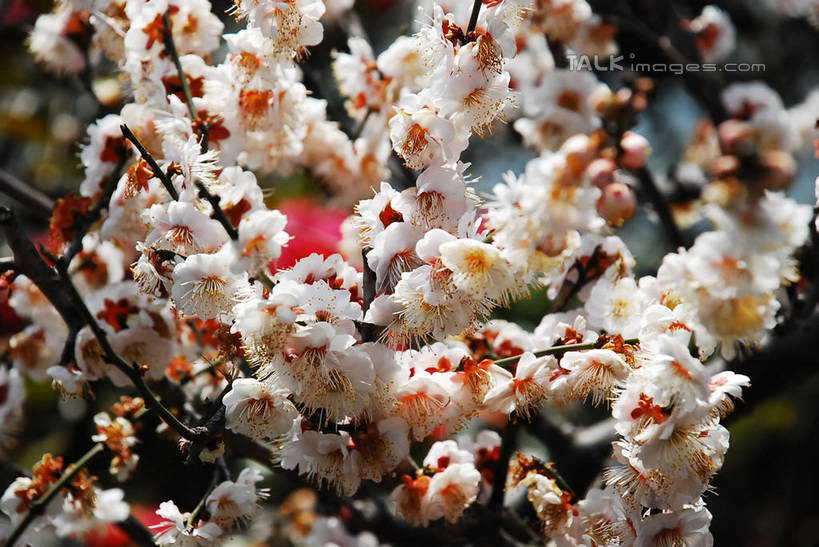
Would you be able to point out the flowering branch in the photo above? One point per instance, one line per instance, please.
(39, 505)
(157, 171)
(170, 48)
(60, 290)
(218, 213)
(558, 350)
(110, 356)
(701, 84)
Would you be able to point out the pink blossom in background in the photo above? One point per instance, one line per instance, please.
(314, 228)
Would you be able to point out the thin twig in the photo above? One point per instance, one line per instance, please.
(170, 48)
(218, 214)
(701, 84)
(570, 289)
(113, 358)
(361, 125)
(39, 505)
(217, 471)
(28, 196)
(158, 172)
(501, 471)
(661, 207)
(557, 350)
(473, 18)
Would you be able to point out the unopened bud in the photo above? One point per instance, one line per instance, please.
(579, 153)
(601, 172)
(635, 150)
(724, 166)
(617, 203)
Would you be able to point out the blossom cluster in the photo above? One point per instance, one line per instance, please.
(340, 363)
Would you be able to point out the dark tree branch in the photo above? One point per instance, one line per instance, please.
(369, 332)
(660, 205)
(58, 287)
(658, 27)
(218, 214)
(157, 171)
(27, 261)
(501, 470)
(170, 49)
(28, 196)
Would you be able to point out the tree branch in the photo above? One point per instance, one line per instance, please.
(218, 213)
(28, 196)
(558, 350)
(660, 205)
(59, 288)
(170, 49)
(158, 172)
(473, 17)
(112, 357)
(38, 506)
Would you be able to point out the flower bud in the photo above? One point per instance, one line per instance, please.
(724, 166)
(579, 152)
(635, 150)
(617, 203)
(601, 172)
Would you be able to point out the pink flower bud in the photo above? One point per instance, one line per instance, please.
(601, 172)
(579, 152)
(635, 150)
(617, 204)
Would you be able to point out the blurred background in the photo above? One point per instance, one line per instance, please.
(763, 496)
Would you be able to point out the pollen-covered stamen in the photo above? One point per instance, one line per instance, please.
(597, 379)
(629, 483)
(404, 261)
(417, 408)
(528, 393)
(181, 235)
(680, 371)
(670, 537)
(431, 208)
(477, 378)
(416, 141)
(207, 294)
(490, 55)
(248, 65)
(254, 246)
